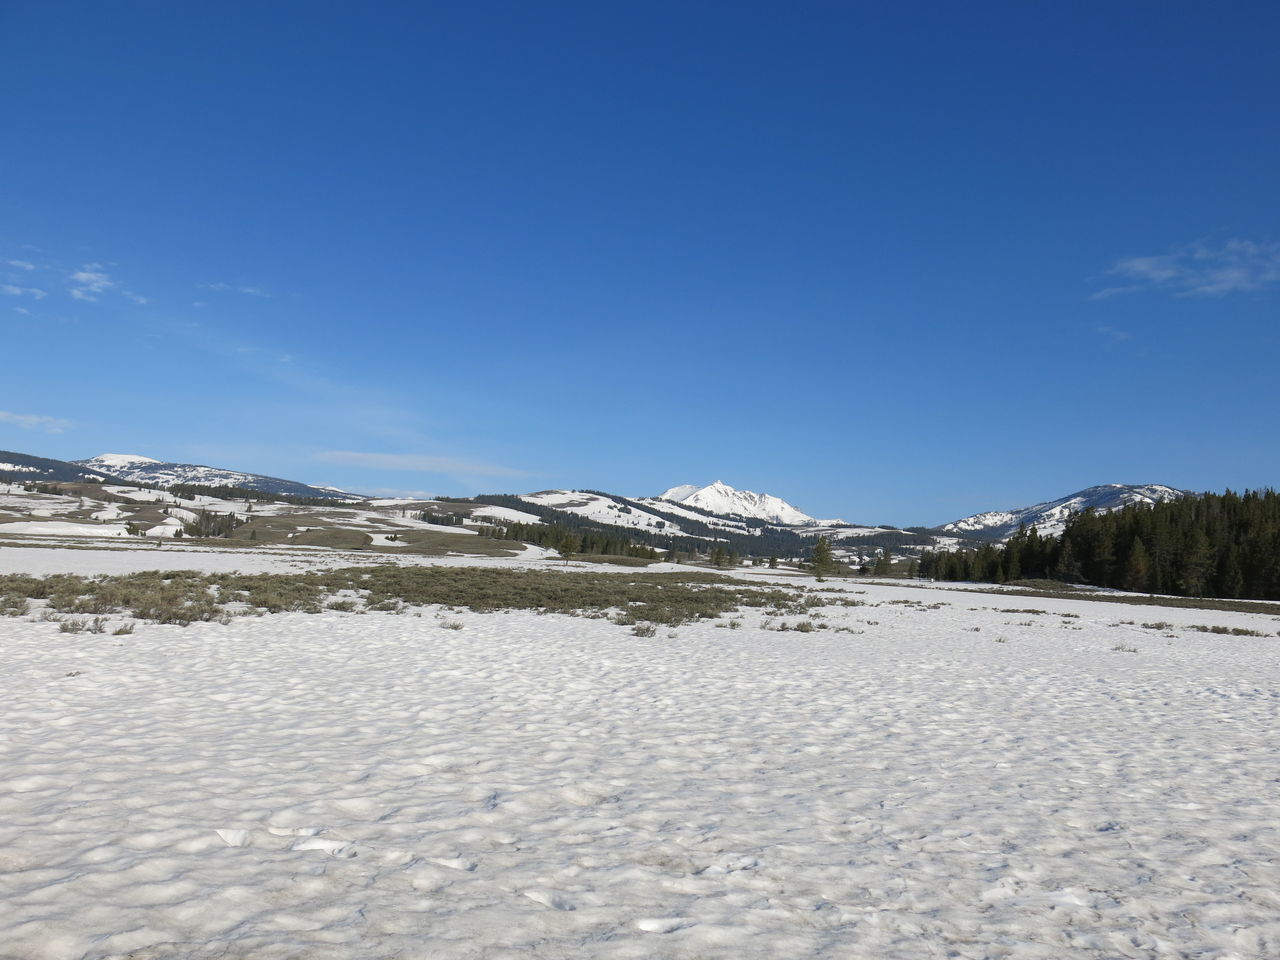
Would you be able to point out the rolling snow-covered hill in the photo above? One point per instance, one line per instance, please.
(1049, 517)
(603, 508)
(139, 469)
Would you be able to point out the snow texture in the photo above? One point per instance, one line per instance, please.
(375, 786)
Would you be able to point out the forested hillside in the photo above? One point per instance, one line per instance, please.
(1211, 545)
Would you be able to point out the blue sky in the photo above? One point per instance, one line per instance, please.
(893, 262)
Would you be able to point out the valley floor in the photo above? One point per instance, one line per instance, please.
(945, 776)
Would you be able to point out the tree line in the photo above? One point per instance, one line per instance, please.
(570, 542)
(1211, 545)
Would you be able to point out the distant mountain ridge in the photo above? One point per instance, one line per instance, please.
(1050, 517)
(715, 509)
(138, 469)
(24, 468)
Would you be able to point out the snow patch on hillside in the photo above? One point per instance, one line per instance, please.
(602, 509)
(505, 513)
(106, 461)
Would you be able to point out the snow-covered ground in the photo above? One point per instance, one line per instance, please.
(958, 780)
(55, 528)
(41, 561)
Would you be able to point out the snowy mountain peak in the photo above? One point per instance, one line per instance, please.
(681, 493)
(722, 499)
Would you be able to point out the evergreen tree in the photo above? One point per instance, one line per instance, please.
(1196, 563)
(1012, 565)
(569, 544)
(1229, 581)
(884, 564)
(1067, 568)
(823, 562)
(1137, 569)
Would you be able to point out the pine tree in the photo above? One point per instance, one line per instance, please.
(1068, 567)
(569, 544)
(1196, 562)
(823, 562)
(884, 564)
(1230, 578)
(1012, 565)
(1137, 569)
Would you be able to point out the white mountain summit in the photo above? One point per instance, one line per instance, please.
(722, 499)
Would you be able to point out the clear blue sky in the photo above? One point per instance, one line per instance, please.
(893, 262)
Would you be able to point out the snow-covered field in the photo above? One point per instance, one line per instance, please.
(39, 560)
(929, 781)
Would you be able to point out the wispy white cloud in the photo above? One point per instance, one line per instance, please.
(1112, 333)
(29, 421)
(1199, 270)
(248, 291)
(15, 291)
(400, 494)
(421, 463)
(89, 281)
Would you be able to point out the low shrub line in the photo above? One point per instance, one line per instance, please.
(184, 597)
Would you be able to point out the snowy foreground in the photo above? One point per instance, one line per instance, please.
(947, 782)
